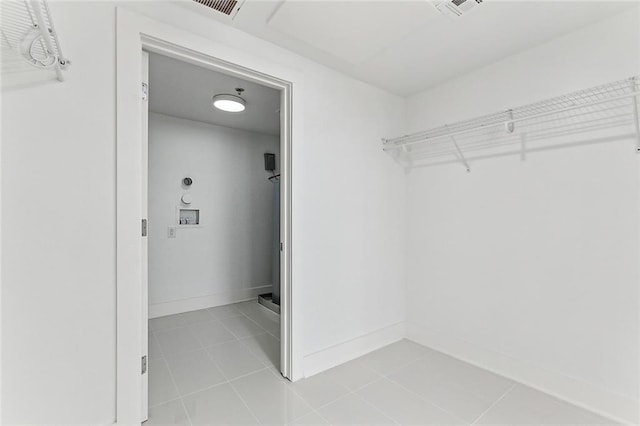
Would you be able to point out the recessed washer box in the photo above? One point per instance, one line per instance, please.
(188, 216)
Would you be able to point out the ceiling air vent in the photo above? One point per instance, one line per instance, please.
(455, 8)
(224, 6)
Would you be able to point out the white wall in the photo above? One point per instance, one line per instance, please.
(58, 275)
(531, 268)
(231, 252)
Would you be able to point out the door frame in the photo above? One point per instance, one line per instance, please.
(135, 33)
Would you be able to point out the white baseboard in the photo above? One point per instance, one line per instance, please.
(575, 391)
(202, 302)
(340, 353)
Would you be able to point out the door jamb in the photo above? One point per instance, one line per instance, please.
(134, 34)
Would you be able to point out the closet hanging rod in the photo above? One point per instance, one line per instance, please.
(407, 140)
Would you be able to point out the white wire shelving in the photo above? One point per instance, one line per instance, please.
(28, 38)
(541, 125)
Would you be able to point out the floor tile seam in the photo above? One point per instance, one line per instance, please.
(205, 388)
(212, 358)
(211, 318)
(496, 402)
(165, 402)
(184, 407)
(167, 329)
(427, 400)
(255, 355)
(396, 367)
(225, 381)
(410, 391)
(257, 323)
(251, 335)
(236, 315)
(313, 410)
(377, 409)
(224, 342)
(374, 381)
(349, 391)
(187, 325)
(188, 332)
(251, 352)
(186, 352)
(286, 387)
(229, 329)
(173, 380)
(255, 417)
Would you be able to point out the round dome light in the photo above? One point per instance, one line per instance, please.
(229, 103)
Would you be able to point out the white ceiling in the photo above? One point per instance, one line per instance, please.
(407, 46)
(183, 90)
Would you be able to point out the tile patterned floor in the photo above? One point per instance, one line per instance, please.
(220, 366)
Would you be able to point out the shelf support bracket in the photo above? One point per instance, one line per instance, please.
(510, 126)
(462, 159)
(636, 118)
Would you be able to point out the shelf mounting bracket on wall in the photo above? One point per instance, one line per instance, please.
(27, 30)
(461, 155)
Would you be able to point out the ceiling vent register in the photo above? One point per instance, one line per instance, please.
(455, 8)
(223, 6)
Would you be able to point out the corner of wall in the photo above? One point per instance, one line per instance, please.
(340, 353)
(575, 391)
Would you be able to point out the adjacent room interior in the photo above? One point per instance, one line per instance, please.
(320, 212)
(213, 227)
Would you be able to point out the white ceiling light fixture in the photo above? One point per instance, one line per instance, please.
(230, 103)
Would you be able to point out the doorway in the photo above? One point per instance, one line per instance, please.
(136, 34)
(212, 248)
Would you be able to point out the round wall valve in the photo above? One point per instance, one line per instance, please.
(186, 199)
(187, 181)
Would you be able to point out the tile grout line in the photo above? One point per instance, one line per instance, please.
(224, 382)
(494, 403)
(425, 399)
(350, 392)
(361, 398)
(245, 403)
(226, 379)
(173, 380)
(258, 324)
(354, 391)
(242, 314)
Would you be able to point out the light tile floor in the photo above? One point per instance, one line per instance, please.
(220, 366)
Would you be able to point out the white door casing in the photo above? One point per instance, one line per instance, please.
(144, 214)
(135, 33)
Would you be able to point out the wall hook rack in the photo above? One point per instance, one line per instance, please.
(538, 126)
(27, 31)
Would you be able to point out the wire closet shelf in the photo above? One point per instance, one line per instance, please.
(547, 123)
(29, 39)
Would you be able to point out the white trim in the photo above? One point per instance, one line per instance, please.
(202, 302)
(134, 33)
(575, 391)
(144, 213)
(332, 356)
